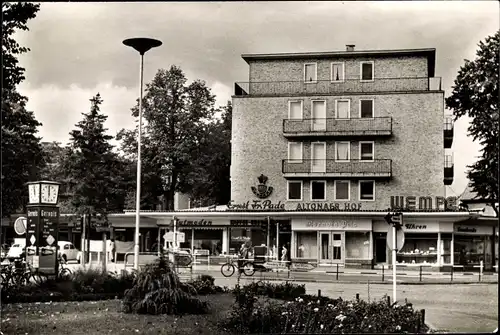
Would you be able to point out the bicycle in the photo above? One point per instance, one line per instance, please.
(64, 272)
(22, 273)
(246, 266)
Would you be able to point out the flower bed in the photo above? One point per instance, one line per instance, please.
(320, 315)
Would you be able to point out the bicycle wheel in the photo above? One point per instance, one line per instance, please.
(37, 278)
(227, 269)
(248, 269)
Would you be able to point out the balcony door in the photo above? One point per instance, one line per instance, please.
(318, 115)
(318, 157)
(331, 248)
(342, 107)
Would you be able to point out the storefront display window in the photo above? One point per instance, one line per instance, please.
(210, 240)
(470, 250)
(238, 236)
(307, 245)
(418, 249)
(357, 245)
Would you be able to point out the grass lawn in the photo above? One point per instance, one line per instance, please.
(104, 317)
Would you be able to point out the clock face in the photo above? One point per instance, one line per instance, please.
(45, 193)
(53, 190)
(34, 193)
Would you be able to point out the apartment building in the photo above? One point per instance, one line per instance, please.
(335, 139)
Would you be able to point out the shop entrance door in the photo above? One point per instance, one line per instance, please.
(380, 249)
(331, 248)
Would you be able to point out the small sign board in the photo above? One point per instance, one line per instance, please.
(302, 266)
(20, 225)
(181, 237)
(275, 265)
(169, 236)
(36, 261)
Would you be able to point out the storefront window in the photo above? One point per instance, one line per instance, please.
(418, 249)
(207, 240)
(357, 245)
(307, 245)
(446, 248)
(470, 250)
(238, 236)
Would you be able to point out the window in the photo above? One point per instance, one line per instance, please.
(367, 190)
(342, 151)
(342, 190)
(366, 108)
(310, 73)
(366, 71)
(366, 150)
(318, 190)
(337, 72)
(295, 152)
(295, 110)
(342, 107)
(294, 190)
(307, 245)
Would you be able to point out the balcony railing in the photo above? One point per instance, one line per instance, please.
(378, 168)
(278, 88)
(448, 170)
(448, 133)
(378, 126)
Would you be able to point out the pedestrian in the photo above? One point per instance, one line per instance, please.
(113, 250)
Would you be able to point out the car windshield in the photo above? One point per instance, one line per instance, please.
(16, 245)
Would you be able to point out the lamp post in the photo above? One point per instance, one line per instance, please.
(142, 45)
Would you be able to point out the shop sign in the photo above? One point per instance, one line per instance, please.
(423, 203)
(414, 226)
(256, 204)
(332, 224)
(201, 222)
(275, 265)
(332, 206)
(477, 230)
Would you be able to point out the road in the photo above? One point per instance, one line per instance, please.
(467, 306)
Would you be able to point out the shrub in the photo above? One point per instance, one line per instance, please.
(320, 316)
(284, 291)
(204, 284)
(157, 289)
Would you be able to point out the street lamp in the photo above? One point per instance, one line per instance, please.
(142, 45)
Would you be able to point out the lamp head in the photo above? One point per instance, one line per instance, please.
(142, 44)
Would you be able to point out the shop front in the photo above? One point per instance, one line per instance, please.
(473, 244)
(330, 241)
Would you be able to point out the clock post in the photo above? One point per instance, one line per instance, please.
(43, 226)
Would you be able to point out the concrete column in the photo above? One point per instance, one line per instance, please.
(293, 245)
(370, 250)
(225, 240)
(452, 249)
(439, 261)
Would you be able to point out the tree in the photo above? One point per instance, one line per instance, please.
(175, 115)
(210, 176)
(21, 151)
(475, 94)
(93, 169)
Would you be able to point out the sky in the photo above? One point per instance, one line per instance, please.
(77, 50)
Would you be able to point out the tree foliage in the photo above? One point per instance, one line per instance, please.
(176, 115)
(21, 151)
(95, 173)
(475, 94)
(209, 178)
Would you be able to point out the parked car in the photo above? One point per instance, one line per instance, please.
(68, 251)
(15, 251)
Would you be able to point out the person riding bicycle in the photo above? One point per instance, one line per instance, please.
(243, 255)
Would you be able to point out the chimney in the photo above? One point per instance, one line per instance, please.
(349, 47)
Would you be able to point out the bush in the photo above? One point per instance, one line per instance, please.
(321, 316)
(157, 289)
(204, 284)
(284, 291)
(81, 285)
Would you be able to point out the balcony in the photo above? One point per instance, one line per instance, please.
(327, 87)
(331, 168)
(357, 127)
(448, 170)
(448, 133)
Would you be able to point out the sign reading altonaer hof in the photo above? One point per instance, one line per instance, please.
(332, 224)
